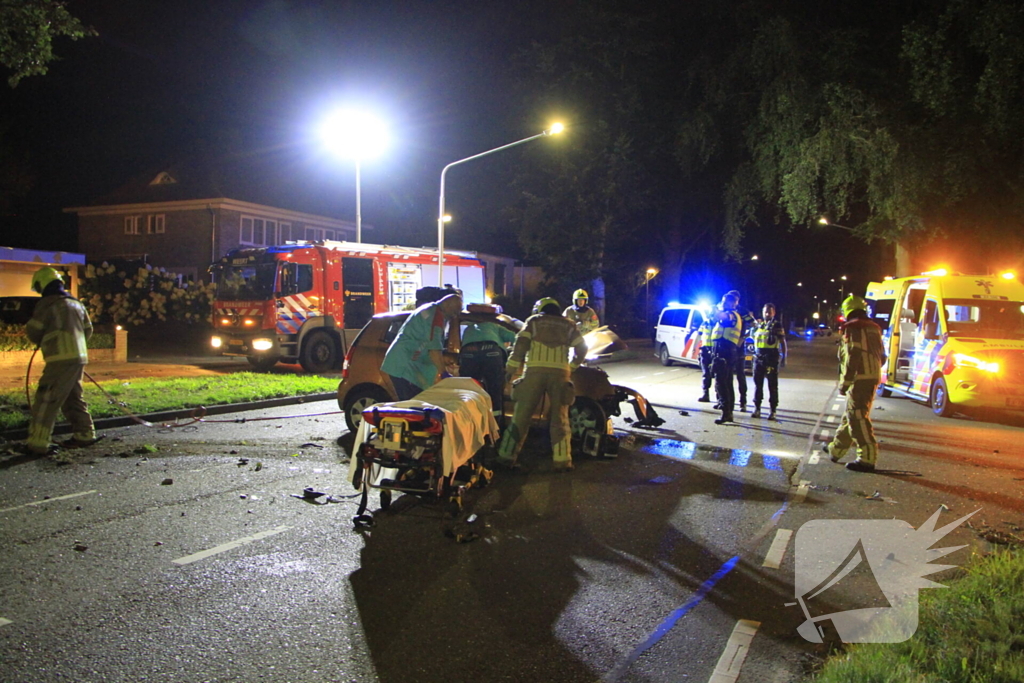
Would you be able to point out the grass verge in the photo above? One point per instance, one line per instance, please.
(150, 395)
(970, 632)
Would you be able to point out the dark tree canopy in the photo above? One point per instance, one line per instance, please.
(27, 30)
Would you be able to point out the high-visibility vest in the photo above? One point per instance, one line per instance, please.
(728, 332)
(766, 335)
(705, 332)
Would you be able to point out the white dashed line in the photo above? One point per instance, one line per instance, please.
(773, 560)
(801, 491)
(49, 500)
(813, 460)
(641, 377)
(188, 559)
(4, 622)
(728, 668)
(837, 407)
(674, 370)
(830, 418)
(826, 434)
(658, 373)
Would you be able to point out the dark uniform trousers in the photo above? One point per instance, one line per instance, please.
(707, 355)
(485, 362)
(766, 366)
(741, 373)
(724, 365)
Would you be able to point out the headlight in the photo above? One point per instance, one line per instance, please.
(216, 342)
(262, 344)
(965, 361)
(248, 322)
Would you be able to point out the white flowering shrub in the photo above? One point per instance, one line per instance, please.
(148, 295)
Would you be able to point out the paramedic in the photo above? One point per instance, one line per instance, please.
(415, 359)
(483, 356)
(60, 326)
(543, 347)
(861, 355)
(769, 356)
(727, 341)
(580, 313)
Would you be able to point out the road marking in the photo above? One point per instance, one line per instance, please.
(49, 500)
(641, 377)
(830, 418)
(826, 434)
(4, 622)
(728, 668)
(813, 460)
(674, 370)
(189, 559)
(801, 491)
(778, 549)
(836, 407)
(658, 373)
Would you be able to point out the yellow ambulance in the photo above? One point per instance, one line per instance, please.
(956, 341)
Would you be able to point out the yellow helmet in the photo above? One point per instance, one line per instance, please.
(580, 294)
(543, 302)
(43, 277)
(854, 303)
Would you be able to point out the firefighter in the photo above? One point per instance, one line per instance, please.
(415, 359)
(483, 357)
(580, 313)
(543, 346)
(861, 356)
(740, 369)
(60, 326)
(727, 340)
(769, 355)
(707, 354)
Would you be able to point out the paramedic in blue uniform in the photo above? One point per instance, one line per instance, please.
(415, 359)
(483, 358)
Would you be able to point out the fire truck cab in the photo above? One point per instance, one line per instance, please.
(303, 302)
(956, 341)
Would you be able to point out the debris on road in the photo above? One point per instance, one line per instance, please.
(145, 448)
(310, 444)
(167, 482)
(80, 547)
(242, 462)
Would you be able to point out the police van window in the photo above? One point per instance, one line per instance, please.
(670, 316)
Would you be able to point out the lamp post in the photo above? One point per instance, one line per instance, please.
(357, 136)
(651, 272)
(825, 221)
(555, 129)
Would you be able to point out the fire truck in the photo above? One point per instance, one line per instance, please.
(304, 302)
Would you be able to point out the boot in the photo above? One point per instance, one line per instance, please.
(743, 405)
(704, 398)
(725, 419)
(771, 415)
(860, 466)
(717, 406)
(757, 412)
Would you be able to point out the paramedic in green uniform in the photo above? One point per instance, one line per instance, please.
(415, 359)
(483, 358)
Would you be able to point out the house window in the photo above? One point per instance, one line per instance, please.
(155, 224)
(286, 232)
(270, 239)
(314, 234)
(257, 231)
(245, 233)
(131, 225)
(328, 234)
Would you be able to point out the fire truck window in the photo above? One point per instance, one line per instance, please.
(304, 281)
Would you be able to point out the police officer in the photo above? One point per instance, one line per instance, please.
(861, 355)
(707, 354)
(740, 369)
(769, 355)
(727, 340)
(543, 346)
(60, 326)
(580, 313)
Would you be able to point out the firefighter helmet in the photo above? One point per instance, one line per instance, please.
(43, 277)
(544, 303)
(853, 303)
(580, 294)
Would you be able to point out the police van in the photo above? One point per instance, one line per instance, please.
(677, 335)
(956, 341)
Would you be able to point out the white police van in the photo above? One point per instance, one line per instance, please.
(677, 335)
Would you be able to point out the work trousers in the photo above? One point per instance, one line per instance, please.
(855, 426)
(724, 366)
(405, 389)
(527, 394)
(485, 362)
(740, 372)
(766, 367)
(60, 389)
(707, 355)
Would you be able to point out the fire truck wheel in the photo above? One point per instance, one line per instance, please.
(359, 399)
(319, 353)
(663, 356)
(262, 363)
(941, 405)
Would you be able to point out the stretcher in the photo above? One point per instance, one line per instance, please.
(428, 446)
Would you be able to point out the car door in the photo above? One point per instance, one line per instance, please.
(675, 338)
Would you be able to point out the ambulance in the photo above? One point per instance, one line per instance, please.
(955, 341)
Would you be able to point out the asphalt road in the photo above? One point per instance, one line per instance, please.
(648, 567)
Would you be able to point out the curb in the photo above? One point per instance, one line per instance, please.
(125, 421)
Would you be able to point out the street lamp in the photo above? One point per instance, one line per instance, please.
(825, 221)
(555, 129)
(355, 135)
(651, 272)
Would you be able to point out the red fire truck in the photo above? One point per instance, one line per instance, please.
(304, 302)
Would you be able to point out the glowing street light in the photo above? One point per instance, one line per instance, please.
(555, 129)
(355, 135)
(825, 221)
(651, 272)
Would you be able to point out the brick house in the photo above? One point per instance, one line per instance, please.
(187, 216)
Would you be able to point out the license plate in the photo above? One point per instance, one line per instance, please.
(235, 342)
(1015, 402)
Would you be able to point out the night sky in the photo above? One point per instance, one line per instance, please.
(165, 79)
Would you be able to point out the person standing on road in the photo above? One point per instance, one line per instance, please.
(707, 355)
(581, 314)
(60, 326)
(543, 347)
(727, 340)
(740, 369)
(861, 356)
(769, 355)
(415, 359)
(483, 357)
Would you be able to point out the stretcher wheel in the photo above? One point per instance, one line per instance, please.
(385, 500)
(363, 521)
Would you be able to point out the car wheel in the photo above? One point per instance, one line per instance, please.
(586, 414)
(262, 363)
(360, 399)
(941, 405)
(319, 353)
(663, 356)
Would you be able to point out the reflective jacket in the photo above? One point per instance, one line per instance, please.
(585, 318)
(767, 334)
(730, 330)
(544, 342)
(861, 352)
(60, 326)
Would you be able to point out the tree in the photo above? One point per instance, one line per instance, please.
(27, 30)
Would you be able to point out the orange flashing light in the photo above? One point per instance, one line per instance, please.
(1008, 275)
(938, 272)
